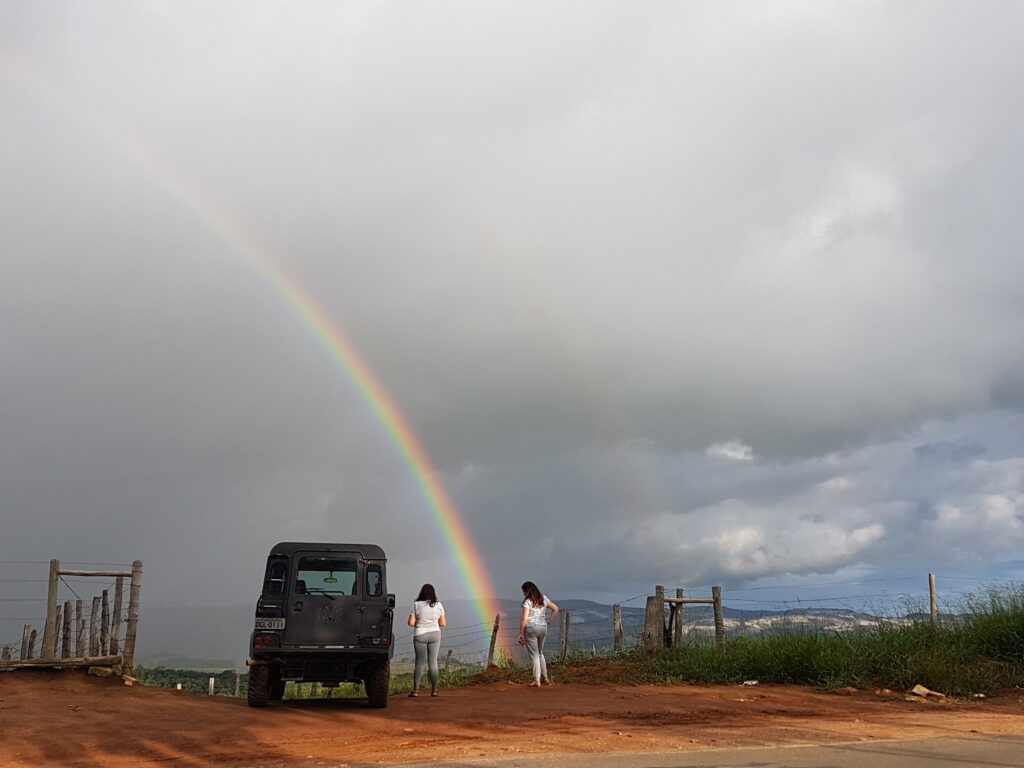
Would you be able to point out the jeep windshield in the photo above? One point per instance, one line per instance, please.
(327, 576)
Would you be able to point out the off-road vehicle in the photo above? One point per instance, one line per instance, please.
(324, 616)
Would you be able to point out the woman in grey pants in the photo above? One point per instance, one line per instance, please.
(426, 619)
(533, 628)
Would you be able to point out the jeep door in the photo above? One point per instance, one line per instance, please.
(325, 602)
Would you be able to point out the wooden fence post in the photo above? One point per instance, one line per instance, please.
(447, 660)
(105, 624)
(24, 640)
(65, 645)
(654, 622)
(563, 636)
(494, 640)
(5, 654)
(213, 681)
(238, 682)
(56, 630)
(933, 602)
(115, 619)
(94, 634)
(49, 650)
(128, 657)
(677, 634)
(617, 620)
(716, 595)
(31, 643)
(80, 651)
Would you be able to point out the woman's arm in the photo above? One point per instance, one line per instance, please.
(442, 621)
(522, 625)
(554, 611)
(412, 619)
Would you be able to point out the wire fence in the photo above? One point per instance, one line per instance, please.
(747, 609)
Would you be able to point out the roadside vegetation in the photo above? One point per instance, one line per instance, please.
(979, 651)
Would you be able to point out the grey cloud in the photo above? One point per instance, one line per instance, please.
(959, 449)
(579, 243)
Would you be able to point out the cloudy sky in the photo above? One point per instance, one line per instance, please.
(685, 293)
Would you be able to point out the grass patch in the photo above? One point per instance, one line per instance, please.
(980, 650)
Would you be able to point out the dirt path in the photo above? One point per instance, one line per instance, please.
(70, 720)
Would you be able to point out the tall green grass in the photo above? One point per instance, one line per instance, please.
(978, 651)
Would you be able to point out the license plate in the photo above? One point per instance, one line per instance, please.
(262, 624)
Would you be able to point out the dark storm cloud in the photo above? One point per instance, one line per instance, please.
(677, 288)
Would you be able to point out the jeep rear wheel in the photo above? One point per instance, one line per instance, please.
(378, 681)
(276, 686)
(259, 685)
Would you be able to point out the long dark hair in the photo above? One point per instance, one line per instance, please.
(533, 594)
(427, 593)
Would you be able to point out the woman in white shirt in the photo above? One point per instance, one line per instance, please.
(533, 628)
(427, 618)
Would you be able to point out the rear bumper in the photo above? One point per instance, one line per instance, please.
(318, 665)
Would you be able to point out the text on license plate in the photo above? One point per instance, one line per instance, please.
(269, 624)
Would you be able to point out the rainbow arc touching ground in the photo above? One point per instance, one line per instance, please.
(469, 563)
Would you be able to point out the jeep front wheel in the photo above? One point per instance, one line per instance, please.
(259, 685)
(377, 684)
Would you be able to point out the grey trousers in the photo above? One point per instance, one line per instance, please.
(426, 646)
(535, 645)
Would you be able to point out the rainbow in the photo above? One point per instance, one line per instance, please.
(469, 562)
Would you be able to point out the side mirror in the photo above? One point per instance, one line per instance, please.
(391, 601)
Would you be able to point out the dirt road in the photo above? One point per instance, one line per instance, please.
(70, 720)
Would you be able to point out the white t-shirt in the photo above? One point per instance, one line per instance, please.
(537, 616)
(427, 616)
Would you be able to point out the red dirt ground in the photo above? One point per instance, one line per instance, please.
(71, 720)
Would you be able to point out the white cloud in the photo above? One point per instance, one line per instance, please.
(733, 450)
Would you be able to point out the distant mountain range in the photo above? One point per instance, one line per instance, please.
(212, 637)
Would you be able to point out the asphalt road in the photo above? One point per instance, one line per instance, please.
(976, 752)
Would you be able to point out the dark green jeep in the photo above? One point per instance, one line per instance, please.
(324, 616)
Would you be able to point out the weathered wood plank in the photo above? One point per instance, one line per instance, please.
(716, 593)
(677, 633)
(65, 635)
(24, 640)
(79, 630)
(97, 661)
(107, 574)
(49, 649)
(94, 630)
(104, 623)
(494, 640)
(133, 616)
(115, 619)
(654, 623)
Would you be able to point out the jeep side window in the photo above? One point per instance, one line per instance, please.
(276, 575)
(374, 581)
(328, 575)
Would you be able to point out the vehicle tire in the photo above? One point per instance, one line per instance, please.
(377, 684)
(259, 685)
